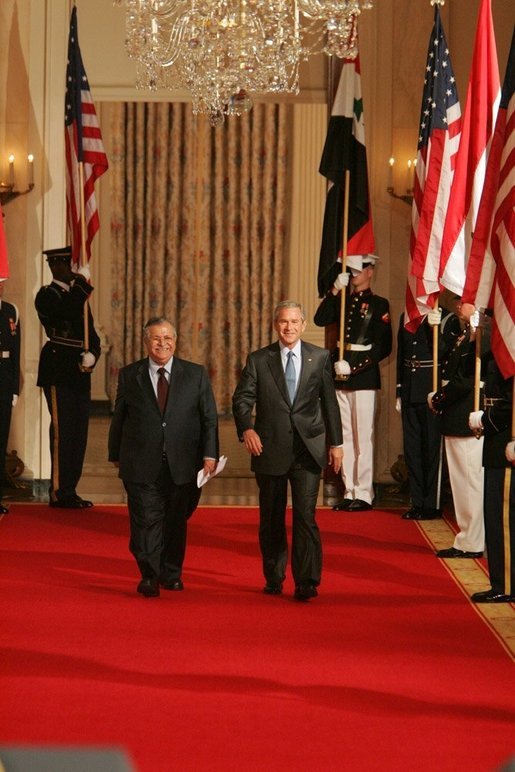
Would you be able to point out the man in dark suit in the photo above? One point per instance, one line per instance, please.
(10, 336)
(290, 386)
(368, 340)
(64, 373)
(163, 431)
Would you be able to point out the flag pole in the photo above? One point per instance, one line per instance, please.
(83, 249)
(344, 266)
(477, 369)
(436, 330)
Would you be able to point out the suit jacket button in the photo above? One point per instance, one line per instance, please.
(163, 424)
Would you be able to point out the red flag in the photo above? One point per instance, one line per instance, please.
(83, 141)
(440, 123)
(483, 97)
(4, 263)
(490, 280)
(344, 150)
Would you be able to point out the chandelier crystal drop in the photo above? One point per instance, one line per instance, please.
(222, 51)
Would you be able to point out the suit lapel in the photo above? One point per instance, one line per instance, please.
(145, 383)
(306, 369)
(276, 368)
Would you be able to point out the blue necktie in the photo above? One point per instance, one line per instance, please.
(290, 376)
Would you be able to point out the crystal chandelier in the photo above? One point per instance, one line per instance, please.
(222, 51)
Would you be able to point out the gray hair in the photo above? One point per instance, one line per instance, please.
(156, 320)
(289, 304)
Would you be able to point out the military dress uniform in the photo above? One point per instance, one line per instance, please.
(368, 340)
(464, 451)
(499, 500)
(10, 337)
(421, 432)
(66, 386)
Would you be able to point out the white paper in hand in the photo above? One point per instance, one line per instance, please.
(203, 477)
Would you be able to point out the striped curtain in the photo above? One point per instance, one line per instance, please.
(199, 227)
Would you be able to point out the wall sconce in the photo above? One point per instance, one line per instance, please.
(408, 196)
(7, 189)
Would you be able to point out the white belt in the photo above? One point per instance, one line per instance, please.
(358, 347)
(5, 354)
(481, 384)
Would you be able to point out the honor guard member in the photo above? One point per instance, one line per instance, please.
(65, 373)
(463, 449)
(10, 336)
(421, 432)
(499, 501)
(368, 340)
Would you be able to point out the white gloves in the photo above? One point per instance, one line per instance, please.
(342, 367)
(88, 359)
(84, 271)
(509, 452)
(341, 281)
(434, 317)
(430, 400)
(475, 422)
(474, 320)
(398, 404)
(15, 400)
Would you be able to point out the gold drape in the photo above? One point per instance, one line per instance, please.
(199, 225)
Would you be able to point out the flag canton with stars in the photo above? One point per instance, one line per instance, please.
(76, 82)
(440, 92)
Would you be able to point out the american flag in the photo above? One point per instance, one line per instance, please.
(490, 280)
(483, 95)
(344, 150)
(83, 143)
(440, 125)
(4, 263)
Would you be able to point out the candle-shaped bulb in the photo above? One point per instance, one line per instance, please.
(11, 170)
(30, 159)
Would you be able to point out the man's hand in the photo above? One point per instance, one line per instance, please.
(342, 367)
(398, 404)
(15, 400)
(210, 465)
(335, 458)
(84, 271)
(88, 359)
(430, 402)
(434, 317)
(509, 452)
(476, 422)
(252, 442)
(341, 281)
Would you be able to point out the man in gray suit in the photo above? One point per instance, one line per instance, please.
(290, 386)
(164, 429)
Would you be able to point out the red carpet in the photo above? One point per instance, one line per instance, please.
(391, 668)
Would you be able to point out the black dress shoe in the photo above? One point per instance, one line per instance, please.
(149, 587)
(415, 513)
(173, 584)
(305, 592)
(71, 502)
(452, 552)
(412, 514)
(343, 505)
(3, 510)
(492, 596)
(273, 588)
(358, 505)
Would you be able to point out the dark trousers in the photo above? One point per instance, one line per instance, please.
(159, 513)
(6, 399)
(422, 454)
(304, 478)
(69, 419)
(500, 528)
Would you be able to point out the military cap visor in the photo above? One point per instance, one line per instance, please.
(62, 254)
